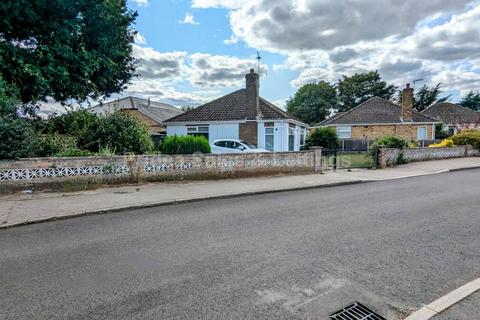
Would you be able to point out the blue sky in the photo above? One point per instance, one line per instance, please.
(191, 51)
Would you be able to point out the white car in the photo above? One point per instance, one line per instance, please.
(234, 146)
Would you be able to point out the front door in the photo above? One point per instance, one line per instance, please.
(422, 133)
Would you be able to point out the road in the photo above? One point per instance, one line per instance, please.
(392, 245)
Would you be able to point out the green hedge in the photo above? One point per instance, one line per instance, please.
(185, 145)
(325, 137)
(390, 141)
(467, 137)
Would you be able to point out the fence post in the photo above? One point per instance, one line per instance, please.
(382, 162)
(317, 159)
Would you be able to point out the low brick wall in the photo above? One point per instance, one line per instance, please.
(78, 173)
(389, 157)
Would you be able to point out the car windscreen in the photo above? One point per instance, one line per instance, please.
(248, 144)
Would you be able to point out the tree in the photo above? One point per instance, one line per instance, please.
(425, 97)
(471, 100)
(66, 49)
(313, 102)
(186, 108)
(325, 137)
(360, 87)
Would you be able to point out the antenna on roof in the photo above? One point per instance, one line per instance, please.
(415, 81)
(258, 62)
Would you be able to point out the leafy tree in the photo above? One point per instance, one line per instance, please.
(17, 138)
(360, 87)
(471, 100)
(325, 137)
(313, 102)
(186, 108)
(425, 97)
(66, 49)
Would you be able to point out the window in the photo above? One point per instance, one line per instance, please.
(422, 133)
(197, 131)
(344, 132)
(220, 144)
(269, 137)
(302, 136)
(291, 139)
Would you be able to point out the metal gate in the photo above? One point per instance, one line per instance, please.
(333, 159)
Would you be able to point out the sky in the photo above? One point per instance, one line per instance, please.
(193, 51)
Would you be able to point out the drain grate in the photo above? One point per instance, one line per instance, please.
(356, 311)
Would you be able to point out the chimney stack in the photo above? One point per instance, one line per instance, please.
(407, 104)
(252, 85)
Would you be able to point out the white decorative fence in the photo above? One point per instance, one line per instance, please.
(388, 157)
(37, 171)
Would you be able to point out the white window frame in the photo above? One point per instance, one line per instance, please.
(418, 133)
(344, 132)
(197, 130)
(272, 134)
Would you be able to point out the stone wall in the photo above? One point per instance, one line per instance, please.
(389, 157)
(59, 173)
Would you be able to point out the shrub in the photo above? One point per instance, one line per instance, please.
(17, 138)
(467, 137)
(118, 132)
(442, 144)
(440, 132)
(73, 152)
(51, 144)
(325, 137)
(390, 142)
(185, 145)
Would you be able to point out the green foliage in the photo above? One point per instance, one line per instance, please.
(119, 132)
(50, 144)
(467, 137)
(401, 159)
(66, 49)
(313, 102)
(472, 101)
(185, 145)
(8, 99)
(390, 141)
(440, 132)
(325, 137)
(360, 87)
(17, 138)
(73, 152)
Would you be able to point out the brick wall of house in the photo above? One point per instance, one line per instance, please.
(248, 131)
(371, 132)
(152, 124)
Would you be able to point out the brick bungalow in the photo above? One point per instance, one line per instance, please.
(150, 113)
(244, 115)
(378, 117)
(454, 116)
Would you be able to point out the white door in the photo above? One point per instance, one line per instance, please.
(422, 133)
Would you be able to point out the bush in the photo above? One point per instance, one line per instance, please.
(395, 142)
(48, 145)
(73, 152)
(185, 145)
(444, 143)
(325, 137)
(17, 138)
(440, 132)
(467, 137)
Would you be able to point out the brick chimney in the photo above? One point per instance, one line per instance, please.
(252, 81)
(407, 104)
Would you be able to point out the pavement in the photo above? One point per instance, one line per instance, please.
(24, 208)
(392, 245)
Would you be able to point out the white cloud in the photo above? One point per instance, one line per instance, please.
(231, 4)
(232, 40)
(139, 39)
(141, 3)
(189, 19)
